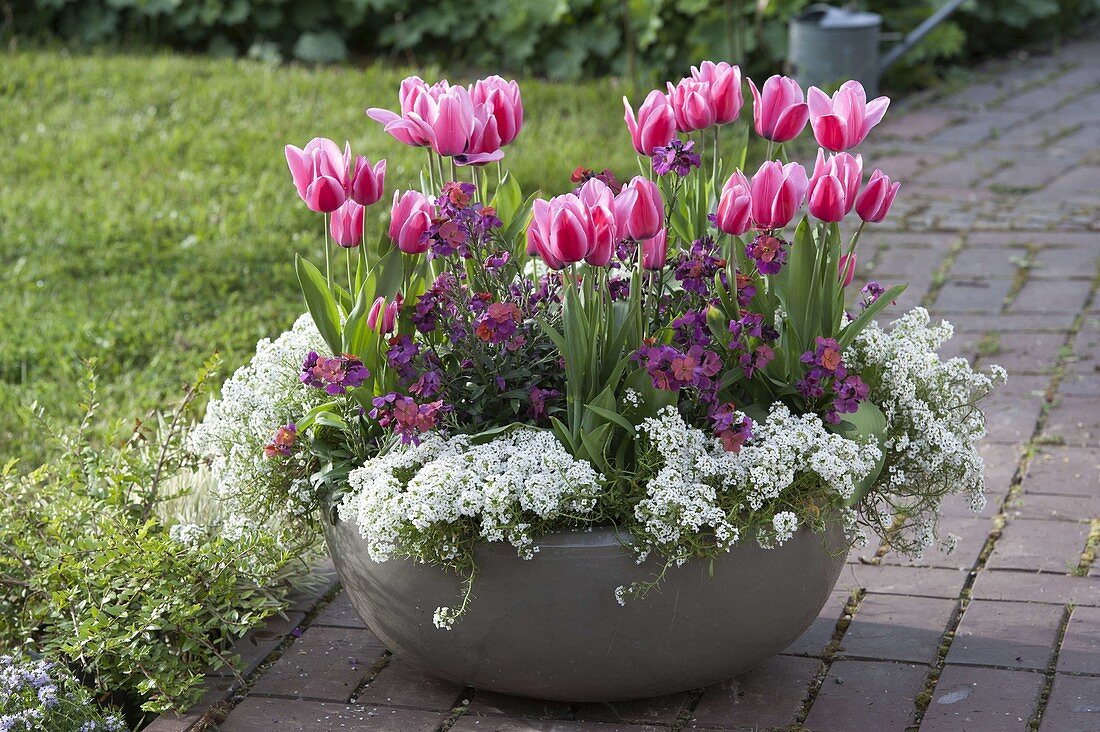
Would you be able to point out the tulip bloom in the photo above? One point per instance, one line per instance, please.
(346, 225)
(735, 206)
(605, 237)
(724, 82)
(387, 314)
(506, 105)
(410, 217)
(639, 209)
(445, 118)
(655, 250)
(843, 121)
(691, 105)
(777, 191)
(834, 184)
(875, 201)
(779, 112)
(562, 231)
(847, 268)
(367, 183)
(655, 124)
(320, 173)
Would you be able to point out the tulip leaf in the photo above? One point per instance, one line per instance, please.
(854, 328)
(507, 199)
(389, 274)
(867, 421)
(319, 301)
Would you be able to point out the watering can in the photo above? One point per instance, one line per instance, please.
(829, 45)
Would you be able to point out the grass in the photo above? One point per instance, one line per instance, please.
(147, 218)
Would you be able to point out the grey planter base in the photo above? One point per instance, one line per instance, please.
(550, 627)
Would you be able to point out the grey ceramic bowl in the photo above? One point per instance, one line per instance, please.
(550, 627)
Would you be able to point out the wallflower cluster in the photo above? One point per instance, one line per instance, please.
(247, 432)
(933, 423)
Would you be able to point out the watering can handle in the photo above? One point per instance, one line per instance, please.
(917, 34)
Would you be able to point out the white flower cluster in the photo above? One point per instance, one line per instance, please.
(932, 417)
(409, 500)
(259, 397)
(700, 488)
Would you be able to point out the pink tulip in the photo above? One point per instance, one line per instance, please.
(605, 238)
(595, 192)
(410, 217)
(445, 118)
(875, 201)
(346, 226)
(538, 234)
(780, 112)
(777, 192)
(367, 182)
(725, 89)
(655, 125)
(565, 230)
(691, 105)
(639, 209)
(387, 313)
(418, 102)
(847, 269)
(834, 184)
(735, 205)
(655, 250)
(506, 105)
(843, 121)
(572, 234)
(320, 173)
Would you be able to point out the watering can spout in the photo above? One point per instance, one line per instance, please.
(917, 34)
(829, 45)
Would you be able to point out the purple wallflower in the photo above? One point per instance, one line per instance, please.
(731, 427)
(283, 441)
(498, 322)
(618, 288)
(539, 397)
(672, 369)
(405, 416)
(696, 267)
(768, 252)
(691, 329)
(871, 291)
(677, 156)
(746, 289)
(756, 359)
(334, 374)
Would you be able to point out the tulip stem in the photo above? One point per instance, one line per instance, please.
(771, 147)
(351, 286)
(328, 260)
(431, 173)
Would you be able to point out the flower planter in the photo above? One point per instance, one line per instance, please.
(550, 627)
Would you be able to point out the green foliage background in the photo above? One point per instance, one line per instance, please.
(561, 39)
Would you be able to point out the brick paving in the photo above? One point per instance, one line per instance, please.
(997, 230)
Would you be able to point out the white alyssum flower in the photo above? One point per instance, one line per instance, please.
(259, 397)
(701, 489)
(785, 523)
(190, 536)
(408, 500)
(932, 417)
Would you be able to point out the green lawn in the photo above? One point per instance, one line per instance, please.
(147, 216)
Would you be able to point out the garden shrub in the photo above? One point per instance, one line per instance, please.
(639, 38)
(95, 576)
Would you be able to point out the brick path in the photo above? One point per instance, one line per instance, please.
(997, 230)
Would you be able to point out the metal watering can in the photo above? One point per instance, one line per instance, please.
(828, 45)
